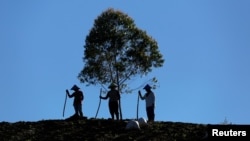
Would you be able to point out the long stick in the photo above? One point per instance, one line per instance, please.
(65, 102)
(99, 104)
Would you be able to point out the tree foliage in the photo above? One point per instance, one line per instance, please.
(116, 50)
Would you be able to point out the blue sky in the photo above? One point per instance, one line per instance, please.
(205, 44)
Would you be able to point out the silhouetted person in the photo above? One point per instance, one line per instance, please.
(150, 102)
(114, 97)
(78, 98)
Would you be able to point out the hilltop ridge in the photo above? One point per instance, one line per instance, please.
(98, 129)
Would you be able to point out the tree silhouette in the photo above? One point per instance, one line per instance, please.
(116, 50)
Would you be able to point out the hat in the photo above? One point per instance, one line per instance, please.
(112, 85)
(147, 87)
(75, 87)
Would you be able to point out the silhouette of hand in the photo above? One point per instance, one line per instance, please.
(67, 91)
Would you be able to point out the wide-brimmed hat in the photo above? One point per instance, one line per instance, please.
(112, 85)
(147, 87)
(75, 87)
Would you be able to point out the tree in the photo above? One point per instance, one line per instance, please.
(116, 50)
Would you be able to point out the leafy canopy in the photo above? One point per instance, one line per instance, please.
(116, 50)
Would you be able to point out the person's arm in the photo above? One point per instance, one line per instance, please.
(106, 97)
(67, 91)
(142, 97)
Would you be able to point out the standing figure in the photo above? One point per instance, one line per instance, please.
(150, 102)
(78, 98)
(114, 97)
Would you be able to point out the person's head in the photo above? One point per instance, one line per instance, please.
(75, 88)
(147, 88)
(112, 86)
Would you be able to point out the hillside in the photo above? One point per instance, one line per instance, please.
(98, 129)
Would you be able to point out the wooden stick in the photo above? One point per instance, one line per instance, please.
(99, 104)
(65, 102)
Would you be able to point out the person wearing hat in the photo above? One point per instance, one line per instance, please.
(78, 98)
(149, 97)
(114, 97)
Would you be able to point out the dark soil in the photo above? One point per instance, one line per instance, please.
(99, 130)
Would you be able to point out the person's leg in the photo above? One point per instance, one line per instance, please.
(80, 110)
(111, 110)
(76, 109)
(150, 113)
(153, 113)
(116, 110)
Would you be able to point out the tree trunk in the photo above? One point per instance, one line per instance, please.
(118, 84)
(120, 110)
(137, 111)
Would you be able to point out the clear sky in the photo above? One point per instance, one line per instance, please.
(205, 44)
